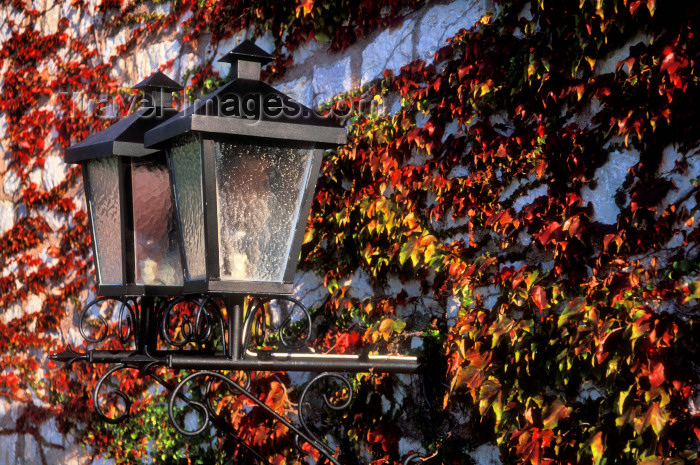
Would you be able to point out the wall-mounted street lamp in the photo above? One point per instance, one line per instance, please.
(209, 206)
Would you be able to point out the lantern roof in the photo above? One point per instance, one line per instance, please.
(248, 107)
(157, 81)
(125, 137)
(247, 51)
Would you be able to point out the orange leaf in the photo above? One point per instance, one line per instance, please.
(386, 328)
(543, 237)
(277, 397)
(597, 446)
(305, 8)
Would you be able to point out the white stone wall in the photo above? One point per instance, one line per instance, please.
(315, 77)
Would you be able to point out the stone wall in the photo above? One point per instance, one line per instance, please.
(314, 78)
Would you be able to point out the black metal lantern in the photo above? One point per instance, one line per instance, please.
(244, 162)
(130, 207)
(212, 200)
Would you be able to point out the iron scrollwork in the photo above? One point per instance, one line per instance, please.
(154, 333)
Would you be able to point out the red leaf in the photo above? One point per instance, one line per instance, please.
(657, 375)
(539, 297)
(543, 237)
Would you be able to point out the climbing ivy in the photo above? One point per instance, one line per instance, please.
(585, 350)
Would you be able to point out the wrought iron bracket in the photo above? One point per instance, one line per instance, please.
(192, 333)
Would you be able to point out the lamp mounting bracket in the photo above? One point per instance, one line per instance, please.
(209, 342)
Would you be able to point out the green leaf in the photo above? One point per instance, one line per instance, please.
(410, 249)
(651, 461)
(574, 308)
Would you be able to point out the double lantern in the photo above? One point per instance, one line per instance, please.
(211, 199)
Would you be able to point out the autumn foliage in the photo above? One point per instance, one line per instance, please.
(558, 337)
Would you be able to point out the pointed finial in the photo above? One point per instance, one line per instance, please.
(159, 89)
(246, 60)
(68, 356)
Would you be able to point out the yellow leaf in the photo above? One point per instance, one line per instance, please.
(655, 417)
(597, 447)
(591, 62)
(386, 328)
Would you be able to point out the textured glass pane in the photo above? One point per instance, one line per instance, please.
(259, 192)
(187, 174)
(156, 245)
(103, 179)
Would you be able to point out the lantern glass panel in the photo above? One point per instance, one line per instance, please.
(259, 194)
(186, 166)
(156, 245)
(105, 213)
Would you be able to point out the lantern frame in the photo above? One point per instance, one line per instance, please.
(225, 116)
(124, 140)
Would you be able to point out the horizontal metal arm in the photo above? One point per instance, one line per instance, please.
(287, 361)
(260, 361)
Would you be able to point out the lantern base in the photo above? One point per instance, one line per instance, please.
(119, 290)
(241, 288)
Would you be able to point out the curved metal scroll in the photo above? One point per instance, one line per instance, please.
(323, 377)
(121, 394)
(198, 329)
(256, 322)
(300, 434)
(127, 320)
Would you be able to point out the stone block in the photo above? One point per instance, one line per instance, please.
(185, 63)
(609, 179)
(7, 216)
(359, 285)
(32, 454)
(454, 303)
(111, 44)
(332, 80)
(306, 51)
(609, 63)
(54, 171)
(309, 289)
(442, 22)
(488, 295)
(11, 183)
(486, 454)
(8, 444)
(392, 49)
(79, 19)
(394, 286)
(301, 90)
(266, 42)
(529, 197)
(681, 178)
(154, 56)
